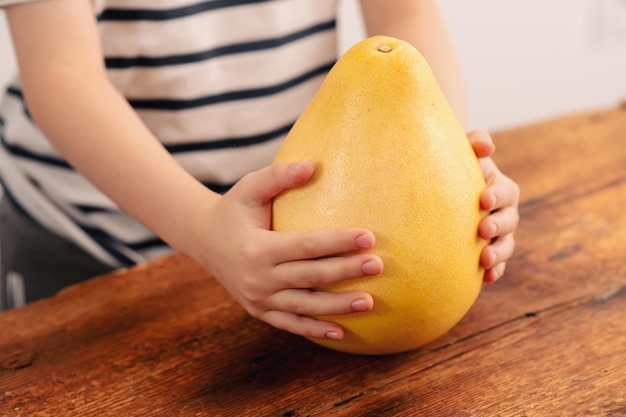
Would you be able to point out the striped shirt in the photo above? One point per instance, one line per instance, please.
(218, 82)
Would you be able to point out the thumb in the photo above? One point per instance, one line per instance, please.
(261, 186)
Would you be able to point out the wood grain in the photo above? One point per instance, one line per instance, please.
(549, 339)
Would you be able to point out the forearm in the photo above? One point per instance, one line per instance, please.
(419, 23)
(95, 129)
(90, 123)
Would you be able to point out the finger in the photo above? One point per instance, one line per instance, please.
(495, 273)
(499, 223)
(498, 251)
(261, 186)
(504, 193)
(291, 246)
(319, 272)
(482, 143)
(303, 325)
(320, 303)
(489, 169)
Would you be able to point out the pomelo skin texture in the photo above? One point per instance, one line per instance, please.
(391, 157)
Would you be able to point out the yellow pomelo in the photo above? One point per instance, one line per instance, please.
(391, 157)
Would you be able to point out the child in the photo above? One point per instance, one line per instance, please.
(161, 118)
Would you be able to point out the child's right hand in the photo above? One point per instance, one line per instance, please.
(271, 273)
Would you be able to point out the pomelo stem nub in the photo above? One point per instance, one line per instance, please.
(384, 48)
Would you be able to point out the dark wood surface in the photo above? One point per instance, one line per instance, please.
(549, 339)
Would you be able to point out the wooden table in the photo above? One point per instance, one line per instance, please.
(549, 339)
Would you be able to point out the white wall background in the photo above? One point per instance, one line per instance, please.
(7, 59)
(527, 60)
(523, 60)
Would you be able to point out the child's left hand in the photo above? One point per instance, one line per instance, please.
(501, 199)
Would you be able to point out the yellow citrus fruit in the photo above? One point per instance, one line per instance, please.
(391, 157)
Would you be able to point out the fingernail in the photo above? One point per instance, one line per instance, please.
(364, 241)
(332, 335)
(370, 267)
(493, 258)
(489, 231)
(493, 201)
(296, 166)
(494, 230)
(359, 305)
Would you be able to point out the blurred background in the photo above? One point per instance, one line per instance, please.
(523, 61)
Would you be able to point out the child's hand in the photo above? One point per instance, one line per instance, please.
(501, 199)
(270, 273)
